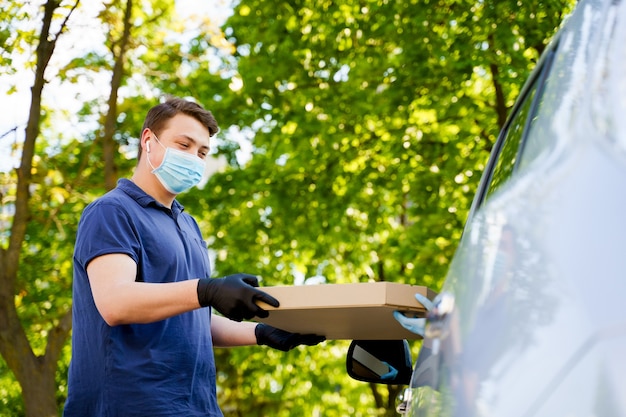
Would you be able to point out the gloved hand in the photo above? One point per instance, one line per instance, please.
(415, 325)
(389, 376)
(282, 340)
(234, 296)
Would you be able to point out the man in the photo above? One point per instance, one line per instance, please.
(142, 345)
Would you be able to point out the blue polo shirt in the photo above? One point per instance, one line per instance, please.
(158, 369)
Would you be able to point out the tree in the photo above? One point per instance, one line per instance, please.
(54, 182)
(118, 48)
(36, 373)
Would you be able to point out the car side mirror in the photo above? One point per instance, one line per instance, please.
(380, 361)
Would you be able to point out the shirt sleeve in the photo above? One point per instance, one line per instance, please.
(105, 229)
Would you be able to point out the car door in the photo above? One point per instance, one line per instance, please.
(510, 333)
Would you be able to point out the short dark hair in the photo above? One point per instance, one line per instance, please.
(160, 114)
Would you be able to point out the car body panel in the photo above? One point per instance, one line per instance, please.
(538, 326)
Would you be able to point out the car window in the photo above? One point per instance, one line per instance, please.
(507, 156)
(510, 152)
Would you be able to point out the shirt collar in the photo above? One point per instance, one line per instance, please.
(142, 198)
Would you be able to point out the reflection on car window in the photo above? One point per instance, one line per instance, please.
(509, 149)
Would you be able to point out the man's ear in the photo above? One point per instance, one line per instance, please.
(146, 135)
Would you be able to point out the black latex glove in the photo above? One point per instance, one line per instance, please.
(282, 340)
(234, 296)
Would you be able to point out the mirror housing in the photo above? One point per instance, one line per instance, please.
(380, 361)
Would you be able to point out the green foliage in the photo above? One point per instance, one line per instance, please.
(371, 123)
(11, 404)
(13, 35)
(306, 381)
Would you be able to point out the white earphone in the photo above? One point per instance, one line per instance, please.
(148, 146)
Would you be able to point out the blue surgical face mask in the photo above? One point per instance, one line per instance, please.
(179, 171)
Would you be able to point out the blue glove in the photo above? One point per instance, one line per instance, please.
(389, 376)
(415, 325)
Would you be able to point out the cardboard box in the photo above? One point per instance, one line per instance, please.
(362, 311)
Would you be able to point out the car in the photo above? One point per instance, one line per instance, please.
(531, 318)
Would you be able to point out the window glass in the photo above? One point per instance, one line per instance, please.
(512, 140)
(543, 138)
(519, 142)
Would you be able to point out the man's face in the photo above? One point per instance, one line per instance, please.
(183, 133)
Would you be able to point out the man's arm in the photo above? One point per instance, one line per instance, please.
(121, 300)
(228, 333)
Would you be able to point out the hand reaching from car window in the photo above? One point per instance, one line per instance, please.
(415, 325)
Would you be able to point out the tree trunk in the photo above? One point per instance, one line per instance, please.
(108, 142)
(36, 375)
(500, 105)
(40, 396)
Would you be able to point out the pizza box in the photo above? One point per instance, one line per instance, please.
(360, 311)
